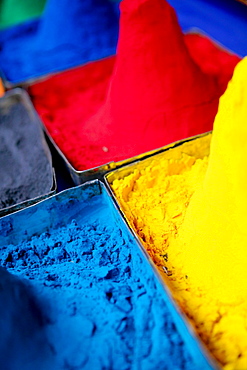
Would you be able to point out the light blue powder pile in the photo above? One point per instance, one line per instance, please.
(96, 302)
(68, 34)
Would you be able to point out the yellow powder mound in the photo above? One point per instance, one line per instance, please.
(212, 242)
(189, 212)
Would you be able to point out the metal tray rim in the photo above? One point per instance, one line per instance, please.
(189, 326)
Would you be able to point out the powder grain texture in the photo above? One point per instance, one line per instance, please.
(190, 214)
(152, 94)
(43, 46)
(100, 304)
(216, 222)
(26, 169)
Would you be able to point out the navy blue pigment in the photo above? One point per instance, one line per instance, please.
(68, 34)
(25, 161)
(99, 303)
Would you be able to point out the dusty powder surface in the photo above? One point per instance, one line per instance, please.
(99, 113)
(189, 211)
(26, 168)
(213, 234)
(100, 306)
(43, 46)
(155, 197)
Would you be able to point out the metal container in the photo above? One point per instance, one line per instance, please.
(46, 214)
(27, 173)
(180, 318)
(75, 204)
(99, 172)
(17, 207)
(80, 177)
(126, 167)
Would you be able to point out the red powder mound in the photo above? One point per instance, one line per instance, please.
(157, 90)
(211, 58)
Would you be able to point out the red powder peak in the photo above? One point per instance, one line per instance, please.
(157, 93)
(161, 87)
(132, 6)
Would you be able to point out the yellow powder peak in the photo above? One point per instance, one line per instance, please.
(189, 210)
(211, 246)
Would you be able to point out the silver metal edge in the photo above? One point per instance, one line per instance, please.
(79, 177)
(59, 195)
(189, 326)
(134, 160)
(26, 203)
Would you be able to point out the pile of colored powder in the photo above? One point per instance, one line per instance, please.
(100, 305)
(43, 46)
(190, 212)
(26, 167)
(16, 11)
(152, 94)
(21, 322)
(213, 235)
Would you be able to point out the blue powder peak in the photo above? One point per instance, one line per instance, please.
(65, 36)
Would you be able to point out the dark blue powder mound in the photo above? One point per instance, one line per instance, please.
(68, 34)
(16, 299)
(101, 305)
(25, 161)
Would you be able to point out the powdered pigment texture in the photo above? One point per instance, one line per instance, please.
(26, 168)
(43, 46)
(189, 211)
(100, 304)
(15, 11)
(99, 113)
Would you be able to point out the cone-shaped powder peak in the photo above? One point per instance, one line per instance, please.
(213, 238)
(156, 91)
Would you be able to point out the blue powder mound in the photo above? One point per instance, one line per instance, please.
(21, 321)
(68, 34)
(101, 304)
